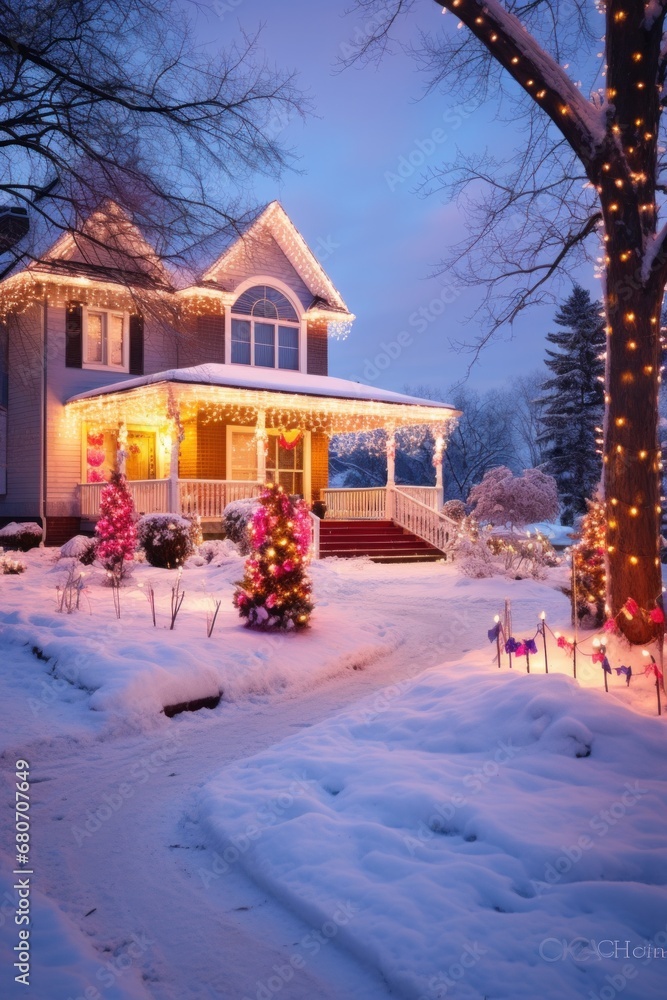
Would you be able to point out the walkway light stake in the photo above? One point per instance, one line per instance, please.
(599, 647)
(543, 619)
(508, 624)
(655, 670)
(497, 621)
(527, 660)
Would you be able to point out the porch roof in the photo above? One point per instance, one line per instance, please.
(270, 380)
(335, 404)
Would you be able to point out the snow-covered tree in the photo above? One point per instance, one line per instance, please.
(573, 402)
(275, 592)
(115, 529)
(591, 162)
(503, 499)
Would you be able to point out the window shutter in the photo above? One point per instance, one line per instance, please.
(74, 335)
(136, 345)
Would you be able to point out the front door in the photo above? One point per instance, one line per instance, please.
(140, 462)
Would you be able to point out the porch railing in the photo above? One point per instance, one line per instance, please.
(314, 536)
(429, 495)
(413, 515)
(356, 504)
(209, 497)
(206, 497)
(150, 496)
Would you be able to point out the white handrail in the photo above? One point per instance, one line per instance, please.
(429, 495)
(314, 535)
(435, 528)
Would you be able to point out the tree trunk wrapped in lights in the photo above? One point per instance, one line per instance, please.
(616, 140)
(275, 592)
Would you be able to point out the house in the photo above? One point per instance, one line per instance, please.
(199, 393)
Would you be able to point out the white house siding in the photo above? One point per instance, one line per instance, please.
(23, 416)
(266, 258)
(63, 436)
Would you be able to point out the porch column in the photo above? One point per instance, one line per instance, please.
(176, 438)
(121, 449)
(437, 462)
(261, 440)
(391, 470)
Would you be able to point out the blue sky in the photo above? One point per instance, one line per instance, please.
(379, 240)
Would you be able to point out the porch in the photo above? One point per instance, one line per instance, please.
(164, 431)
(412, 509)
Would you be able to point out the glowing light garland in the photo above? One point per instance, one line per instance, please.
(162, 403)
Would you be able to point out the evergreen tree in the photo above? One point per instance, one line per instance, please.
(573, 402)
(589, 565)
(115, 529)
(275, 591)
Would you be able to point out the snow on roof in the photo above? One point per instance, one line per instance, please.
(269, 379)
(274, 219)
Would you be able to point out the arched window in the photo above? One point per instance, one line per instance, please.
(265, 329)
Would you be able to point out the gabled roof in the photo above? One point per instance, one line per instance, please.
(108, 247)
(274, 221)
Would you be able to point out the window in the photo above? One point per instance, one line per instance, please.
(269, 336)
(285, 465)
(105, 339)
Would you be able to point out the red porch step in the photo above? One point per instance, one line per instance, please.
(382, 541)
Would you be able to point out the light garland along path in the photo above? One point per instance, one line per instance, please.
(140, 869)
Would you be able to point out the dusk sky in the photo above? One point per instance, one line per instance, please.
(377, 237)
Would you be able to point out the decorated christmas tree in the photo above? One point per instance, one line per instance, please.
(589, 564)
(115, 529)
(275, 591)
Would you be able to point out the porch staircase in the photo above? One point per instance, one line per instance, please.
(382, 541)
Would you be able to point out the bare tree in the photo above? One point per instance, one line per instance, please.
(528, 411)
(114, 99)
(586, 165)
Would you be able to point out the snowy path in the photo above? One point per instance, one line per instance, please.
(140, 871)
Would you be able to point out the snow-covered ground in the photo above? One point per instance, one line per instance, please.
(132, 812)
(480, 836)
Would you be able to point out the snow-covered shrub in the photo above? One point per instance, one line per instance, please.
(196, 534)
(81, 547)
(523, 557)
(455, 510)
(218, 551)
(471, 552)
(503, 499)
(236, 518)
(479, 552)
(23, 536)
(165, 538)
(10, 566)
